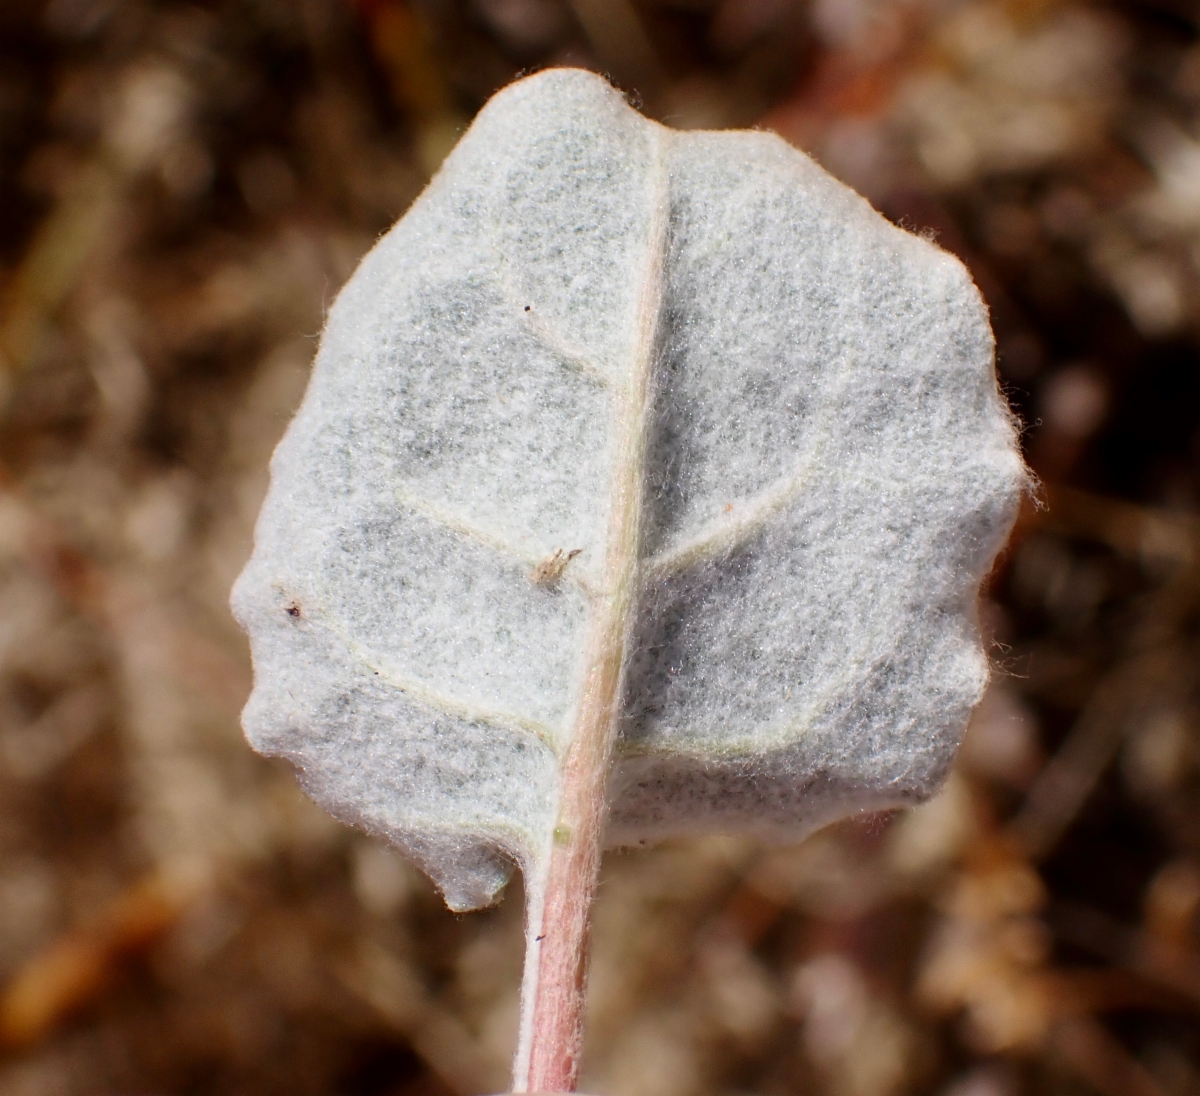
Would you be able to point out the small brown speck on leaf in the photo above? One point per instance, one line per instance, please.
(293, 610)
(551, 569)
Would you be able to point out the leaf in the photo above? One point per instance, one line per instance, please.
(634, 458)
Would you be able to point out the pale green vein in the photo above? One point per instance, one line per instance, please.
(565, 353)
(572, 357)
(723, 536)
(750, 516)
(431, 698)
(461, 709)
(469, 530)
(778, 735)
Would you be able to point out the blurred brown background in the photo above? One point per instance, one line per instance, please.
(184, 186)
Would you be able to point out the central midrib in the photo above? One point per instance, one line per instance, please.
(558, 911)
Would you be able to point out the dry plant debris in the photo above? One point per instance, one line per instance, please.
(184, 187)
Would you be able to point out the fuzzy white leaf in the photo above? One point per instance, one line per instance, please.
(607, 383)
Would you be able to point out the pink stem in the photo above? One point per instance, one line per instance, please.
(571, 885)
(552, 1024)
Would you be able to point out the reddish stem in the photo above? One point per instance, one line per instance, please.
(560, 902)
(571, 880)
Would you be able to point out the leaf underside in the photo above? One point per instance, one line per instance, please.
(808, 437)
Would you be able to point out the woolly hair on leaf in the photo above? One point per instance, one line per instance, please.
(643, 486)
